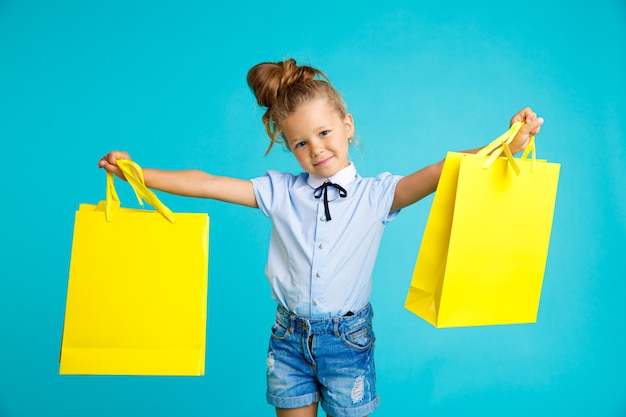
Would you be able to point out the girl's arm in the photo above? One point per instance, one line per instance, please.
(418, 185)
(190, 183)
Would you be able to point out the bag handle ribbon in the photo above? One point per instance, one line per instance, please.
(134, 175)
(501, 145)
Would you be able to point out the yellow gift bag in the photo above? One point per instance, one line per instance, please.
(137, 290)
(484, 248)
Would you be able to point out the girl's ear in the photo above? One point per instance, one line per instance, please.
(349, 123)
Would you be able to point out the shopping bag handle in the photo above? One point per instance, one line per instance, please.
(501, 145)
(134, 175)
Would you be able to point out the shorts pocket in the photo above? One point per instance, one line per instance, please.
(279, 331)
(359, 338)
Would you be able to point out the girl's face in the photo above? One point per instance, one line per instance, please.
(319, 137)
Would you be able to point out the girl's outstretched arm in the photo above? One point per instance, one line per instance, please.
(418, 185)
(190, 183)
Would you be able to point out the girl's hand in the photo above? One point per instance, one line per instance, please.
(109, 162)
(531, 127)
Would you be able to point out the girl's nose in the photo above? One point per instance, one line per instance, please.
(316, 148)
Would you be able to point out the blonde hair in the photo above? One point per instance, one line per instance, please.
(282, 87)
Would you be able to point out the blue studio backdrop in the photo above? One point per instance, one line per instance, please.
(165, 80)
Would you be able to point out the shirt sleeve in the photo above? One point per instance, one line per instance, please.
(382, 192)
(269, 189)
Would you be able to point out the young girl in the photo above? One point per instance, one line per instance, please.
(327, 223)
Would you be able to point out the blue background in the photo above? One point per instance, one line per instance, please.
(166, 82)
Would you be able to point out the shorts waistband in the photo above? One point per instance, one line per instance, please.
(334, 325)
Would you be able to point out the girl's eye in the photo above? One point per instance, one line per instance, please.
(324, 133)
(300, 144)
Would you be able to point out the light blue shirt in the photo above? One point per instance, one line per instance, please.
(319, 268)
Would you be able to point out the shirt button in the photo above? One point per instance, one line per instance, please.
(319, 274)
(321, 246)
(323, 218)
(316, 302)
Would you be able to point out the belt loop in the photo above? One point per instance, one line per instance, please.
(292, 322)
(336, 327)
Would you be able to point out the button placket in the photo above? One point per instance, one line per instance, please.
(319, 260)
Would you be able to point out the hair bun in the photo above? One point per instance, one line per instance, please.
(268, 80)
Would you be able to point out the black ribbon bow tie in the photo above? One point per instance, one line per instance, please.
(323, 190)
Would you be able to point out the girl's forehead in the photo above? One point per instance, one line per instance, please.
(311, 114)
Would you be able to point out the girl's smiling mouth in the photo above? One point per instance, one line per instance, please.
(323, 162)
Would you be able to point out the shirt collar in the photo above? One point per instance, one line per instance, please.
(344, 177)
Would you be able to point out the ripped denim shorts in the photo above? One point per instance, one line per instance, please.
(325, 360)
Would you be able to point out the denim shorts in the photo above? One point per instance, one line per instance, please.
(325, 360)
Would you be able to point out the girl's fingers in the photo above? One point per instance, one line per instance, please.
(109, 162)
(526, 115)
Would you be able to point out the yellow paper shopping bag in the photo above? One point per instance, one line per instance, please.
(484, 248)
(137, 289)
